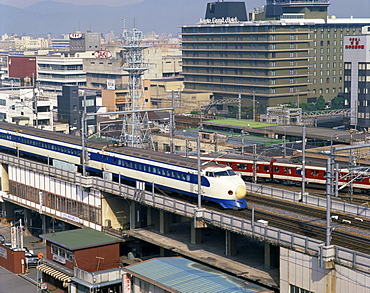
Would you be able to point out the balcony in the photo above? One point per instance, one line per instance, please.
(99, 278)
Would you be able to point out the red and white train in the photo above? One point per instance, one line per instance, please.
(289, 173)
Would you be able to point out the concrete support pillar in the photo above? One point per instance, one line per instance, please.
(149, 221)
(196, 235)
(231, 243)
(27, 222)
(8, 211)
(44, 224)
(134, 216)
(4, 177)
(63, 226)
(272, 256)
(164, 222)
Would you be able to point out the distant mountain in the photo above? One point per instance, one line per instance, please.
(60, 18)
(150, 15)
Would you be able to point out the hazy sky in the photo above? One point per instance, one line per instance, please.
(24, 3)
(340, 8)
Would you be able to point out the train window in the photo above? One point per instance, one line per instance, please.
(209, 174)
(314, 173)
(135, 166)
(188, 177)
(154, 170)
(224, 173)
(266, 168)
(241, 166)
(173, 174)
(168, 173)
(149, 169)
(276, 169)
(298, 171)
(178, 175)
(287, 170)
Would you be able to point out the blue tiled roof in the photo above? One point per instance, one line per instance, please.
(186, 276)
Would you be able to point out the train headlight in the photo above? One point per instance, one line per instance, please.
(240, 192)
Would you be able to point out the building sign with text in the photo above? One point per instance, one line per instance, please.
(354, 43)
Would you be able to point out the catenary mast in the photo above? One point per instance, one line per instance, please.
(136, 129)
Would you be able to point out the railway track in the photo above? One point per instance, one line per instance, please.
(302, 219)
(354, 241)
(309, 211)
(358, 197)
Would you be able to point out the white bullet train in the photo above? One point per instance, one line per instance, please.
(220, 184)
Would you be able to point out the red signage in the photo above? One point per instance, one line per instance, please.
(75, 36)
(355, 44)
(126, 283)
(103, 54)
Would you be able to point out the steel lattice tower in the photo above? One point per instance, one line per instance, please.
(136, 129)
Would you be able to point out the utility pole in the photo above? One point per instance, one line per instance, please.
(199, 174)
(240, 106)
(254, 163)
(34, 101)
(254, 105)
(303, 161)
(83, 137)
(172, 126)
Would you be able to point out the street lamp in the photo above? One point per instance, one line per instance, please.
(200, 128)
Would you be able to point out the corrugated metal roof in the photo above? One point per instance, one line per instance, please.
(80, 238)
(187, 276)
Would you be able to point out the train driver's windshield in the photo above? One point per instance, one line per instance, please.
(221, 173)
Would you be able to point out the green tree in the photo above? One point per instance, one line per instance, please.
(320, 103)
(337, 103)
(307, 107)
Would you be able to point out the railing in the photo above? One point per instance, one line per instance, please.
(98, 277)
(241, 226)
(338, 206)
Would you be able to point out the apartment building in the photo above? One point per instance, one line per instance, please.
(289, 51)
(357, 78)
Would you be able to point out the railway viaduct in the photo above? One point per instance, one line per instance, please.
(250, 249)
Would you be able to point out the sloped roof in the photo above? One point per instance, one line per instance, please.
(183, 275)
(80, 238)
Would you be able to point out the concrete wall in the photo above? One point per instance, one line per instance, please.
(303, 271)
(115, 211)
(12, 260)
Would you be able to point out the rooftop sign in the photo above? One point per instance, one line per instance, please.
(222, 20)
(102, 54)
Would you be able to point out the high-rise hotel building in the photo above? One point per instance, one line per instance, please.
(289, 51)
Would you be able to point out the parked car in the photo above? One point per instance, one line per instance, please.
(32, 260)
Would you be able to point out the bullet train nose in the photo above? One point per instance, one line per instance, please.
(240, 192)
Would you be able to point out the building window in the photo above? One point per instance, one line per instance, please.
(292, 72)
(295, 289)
(291, 89)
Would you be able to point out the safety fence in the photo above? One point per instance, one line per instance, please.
(238, 225)
(336, 205)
